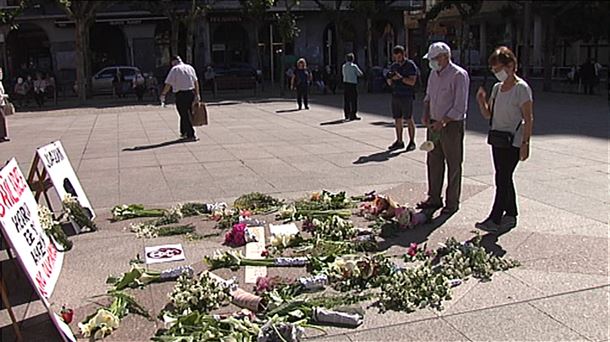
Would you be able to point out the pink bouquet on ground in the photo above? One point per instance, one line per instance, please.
(239, 235)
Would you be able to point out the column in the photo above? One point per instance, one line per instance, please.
(537, 42)
(483, 43)
(206, 42)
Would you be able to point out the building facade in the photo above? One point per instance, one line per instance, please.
(44, 38)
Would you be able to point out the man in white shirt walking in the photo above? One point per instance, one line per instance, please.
(351, 72)
(182, 79)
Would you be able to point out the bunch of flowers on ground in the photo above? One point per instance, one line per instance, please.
(81, 216)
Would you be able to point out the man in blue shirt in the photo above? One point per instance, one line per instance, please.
(402, 77)
(351, 72)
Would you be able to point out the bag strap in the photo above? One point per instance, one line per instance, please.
(494, 94)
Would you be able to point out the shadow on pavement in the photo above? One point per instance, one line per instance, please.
(287, 110)
(152, 146)
(418, 235)
(378, 157)
(36, 328)
(489, 241)
(334, 122)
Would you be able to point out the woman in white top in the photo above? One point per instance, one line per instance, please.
(509, 110)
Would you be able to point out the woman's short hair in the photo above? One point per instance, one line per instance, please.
(502, 55)
(302, 60)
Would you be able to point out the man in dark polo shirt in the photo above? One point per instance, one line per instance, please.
(402, 77)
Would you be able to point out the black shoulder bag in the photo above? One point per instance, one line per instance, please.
(499, 139)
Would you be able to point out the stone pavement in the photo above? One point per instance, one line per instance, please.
(128, 154)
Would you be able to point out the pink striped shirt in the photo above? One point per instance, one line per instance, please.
(447, 93)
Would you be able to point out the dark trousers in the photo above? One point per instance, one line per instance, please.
(3, 130)
(302, 95)
(589, 87)
(448, 151)
(184, 104)
(350, 100)
(39, 98)
(505, 162)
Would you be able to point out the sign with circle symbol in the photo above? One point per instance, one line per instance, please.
(164, 253)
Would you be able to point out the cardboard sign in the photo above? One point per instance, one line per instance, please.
(253, 251)
(64, 329)
(63, 177)
(40, 259)
(164, 253)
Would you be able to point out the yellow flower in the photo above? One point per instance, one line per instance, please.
(85, 329)
(107, 318)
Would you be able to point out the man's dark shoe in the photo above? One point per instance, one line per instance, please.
(191, 139)
(487, 226)
(411, 146)
(449, 211)
(397, 145)
(356, 118)
(428, 204)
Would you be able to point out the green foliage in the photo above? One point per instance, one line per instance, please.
(466, 8)
(257, 203)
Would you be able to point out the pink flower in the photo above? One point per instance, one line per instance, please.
(309, 226)
(237, 235)
(265, 253)
(263, 284)
(245, 213)
(412, 250)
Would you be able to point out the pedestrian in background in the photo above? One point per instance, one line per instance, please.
(40, 87)
(509, 111)
(351, 72)
(330, 79)
(3, 103)
(139, 86)
(182, 80)
(20, 91)
(402, 77)
(117, 84)
(300, 81)
(445, 106)
(587, 75)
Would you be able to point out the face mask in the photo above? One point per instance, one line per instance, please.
(434, 65)
(501, 75)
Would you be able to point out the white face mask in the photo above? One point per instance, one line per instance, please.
(501, 75)
(434, 65)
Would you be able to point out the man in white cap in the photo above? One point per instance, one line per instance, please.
(445, 108)
(182, 79)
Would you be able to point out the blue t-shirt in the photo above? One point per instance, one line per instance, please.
(406, 69)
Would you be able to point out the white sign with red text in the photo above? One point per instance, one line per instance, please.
(62, 175)
(19, 221)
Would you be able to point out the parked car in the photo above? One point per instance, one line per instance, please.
(101, 82)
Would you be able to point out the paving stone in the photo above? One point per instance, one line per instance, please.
(519, 322)
(426, 330)
(585, 312)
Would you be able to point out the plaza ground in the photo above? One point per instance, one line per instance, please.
(128, 153)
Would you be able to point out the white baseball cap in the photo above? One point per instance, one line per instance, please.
(436, 49)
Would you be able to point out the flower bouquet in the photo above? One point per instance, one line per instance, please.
(332, 228)
(239, 235)
(151, 230)
(433, 138)
(198, 326)
(139, 277)
(105, 320)
(234, 259)
(198, 294)
(129, 211)
(350, 272)
(78, 214)
(53, 229)
(257, 203)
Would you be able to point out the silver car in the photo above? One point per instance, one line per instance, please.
(102, 81)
